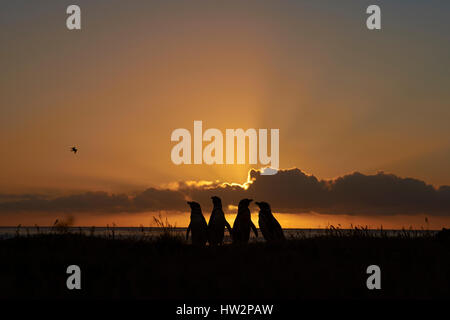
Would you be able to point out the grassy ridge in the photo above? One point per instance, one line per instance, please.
(167, 267)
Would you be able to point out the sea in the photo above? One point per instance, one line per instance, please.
(147, 233)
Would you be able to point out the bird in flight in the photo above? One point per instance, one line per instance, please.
(74, 149)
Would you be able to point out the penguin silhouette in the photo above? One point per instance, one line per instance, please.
(243, 223)
(269, 226)
(197, 225)
(217, 223)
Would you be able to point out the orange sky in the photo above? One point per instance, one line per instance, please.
(178, 219)
(344, 99)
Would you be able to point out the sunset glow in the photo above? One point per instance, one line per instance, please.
(118, 88)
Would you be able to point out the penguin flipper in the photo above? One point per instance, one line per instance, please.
(264, 228)
(228, 227)
(277, 230)
(187, 232)
(254, 228)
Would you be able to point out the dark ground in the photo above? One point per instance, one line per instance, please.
(168, 268)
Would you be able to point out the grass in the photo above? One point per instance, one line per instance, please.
(167, 267)
(169, 235)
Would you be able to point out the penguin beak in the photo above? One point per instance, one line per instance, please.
(258, 203)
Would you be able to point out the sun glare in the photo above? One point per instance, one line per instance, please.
(244, 185)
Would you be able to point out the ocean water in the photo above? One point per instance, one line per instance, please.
(148, 233)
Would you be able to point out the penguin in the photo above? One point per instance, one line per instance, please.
(243, 223)
(217, 223)
(269, 226)
(197, 225)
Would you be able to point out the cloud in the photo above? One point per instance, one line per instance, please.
(289, 191)
(358, 194)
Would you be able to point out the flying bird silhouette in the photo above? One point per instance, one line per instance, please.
(74, 149)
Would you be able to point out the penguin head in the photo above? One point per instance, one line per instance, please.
(217, 202)
(244, 203)
(194, 205)
(263, 205)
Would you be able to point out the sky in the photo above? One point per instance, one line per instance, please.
(351, 104)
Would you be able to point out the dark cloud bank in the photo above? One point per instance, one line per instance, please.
(289, 191)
